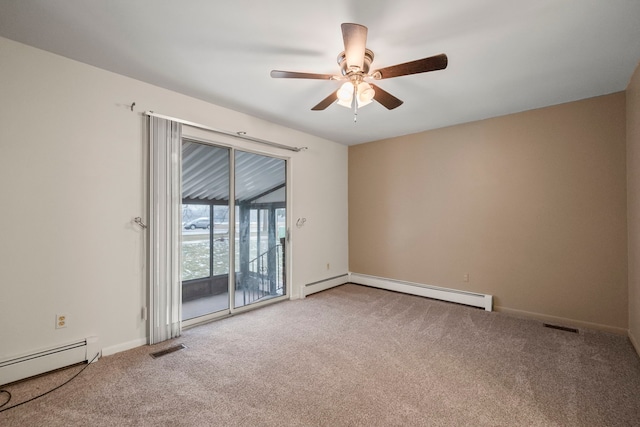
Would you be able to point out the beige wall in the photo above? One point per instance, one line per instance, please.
(531, 205)
(633, 191)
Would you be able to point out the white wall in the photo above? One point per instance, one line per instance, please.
(72, 177)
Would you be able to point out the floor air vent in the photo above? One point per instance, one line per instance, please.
(168, 350)
(561, 328)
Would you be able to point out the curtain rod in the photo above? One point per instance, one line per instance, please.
(241, 135)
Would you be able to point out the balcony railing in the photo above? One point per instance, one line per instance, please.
(263, 281)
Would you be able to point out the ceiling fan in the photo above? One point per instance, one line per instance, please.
(355, 63)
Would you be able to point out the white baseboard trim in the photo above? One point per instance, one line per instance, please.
(562, 321)
(435, 292)
(634, 342)
(322, 285)
(107, 351)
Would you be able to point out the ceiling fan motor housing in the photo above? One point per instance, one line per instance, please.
(366, 64)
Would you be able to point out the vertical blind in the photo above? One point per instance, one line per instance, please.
(165, 294)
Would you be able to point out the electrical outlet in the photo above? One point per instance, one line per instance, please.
(61, 321)
(328, 266)
(465, 277)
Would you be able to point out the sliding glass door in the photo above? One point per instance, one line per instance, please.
(260, 190)
(225, 267)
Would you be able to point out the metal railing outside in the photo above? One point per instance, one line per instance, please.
(263, 281)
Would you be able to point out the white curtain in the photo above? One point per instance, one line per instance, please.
(165, 298)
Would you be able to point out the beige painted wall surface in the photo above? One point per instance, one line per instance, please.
(633, 191)
(531, 205)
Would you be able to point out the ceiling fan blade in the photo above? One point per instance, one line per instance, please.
(326, 102)
(433, 63)
(355, 43)
(277, 74)
(385, 98)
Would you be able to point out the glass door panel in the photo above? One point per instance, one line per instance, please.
(260, 198)
(205, 229)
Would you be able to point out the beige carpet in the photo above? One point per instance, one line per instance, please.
(352, 356)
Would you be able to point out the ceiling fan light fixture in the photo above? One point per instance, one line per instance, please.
(345, 103)
(363, 103)
(365, 93)
(345, 94)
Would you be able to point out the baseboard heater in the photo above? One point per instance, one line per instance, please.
(445, 294)
(324, 284)
(41, 361)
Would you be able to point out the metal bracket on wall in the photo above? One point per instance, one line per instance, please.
(138, 221)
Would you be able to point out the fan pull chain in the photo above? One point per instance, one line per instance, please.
(355, 103)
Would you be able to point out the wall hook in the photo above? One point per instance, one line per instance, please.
(138, 221)
(133, 105)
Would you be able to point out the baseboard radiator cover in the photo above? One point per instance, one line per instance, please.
(50, 359)
(324, 284)
(445, 294)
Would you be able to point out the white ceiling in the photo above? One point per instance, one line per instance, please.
(505, 56)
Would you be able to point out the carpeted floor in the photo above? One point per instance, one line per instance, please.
(352, 356)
